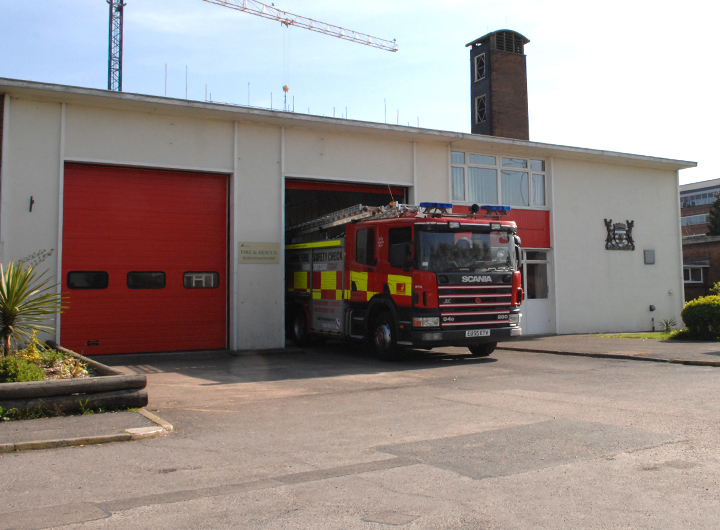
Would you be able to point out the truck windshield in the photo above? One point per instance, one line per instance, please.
(464, 250)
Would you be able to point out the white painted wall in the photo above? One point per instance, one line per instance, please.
(433, 178)
(258, 219)
(31, 167)
(360, 158)
(601, 290)
(145, 139)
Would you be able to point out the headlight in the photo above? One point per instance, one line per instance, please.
(426, 322)
(514, 318)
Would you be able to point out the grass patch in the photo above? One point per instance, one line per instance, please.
(655, 335)
(25, 414)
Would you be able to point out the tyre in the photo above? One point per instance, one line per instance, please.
(383, 337)
(482, 350)
(298, 329)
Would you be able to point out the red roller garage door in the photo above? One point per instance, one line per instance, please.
(144, 260)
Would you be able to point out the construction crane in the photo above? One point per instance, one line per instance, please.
(115, 46)
(288, 19)
(248, 6)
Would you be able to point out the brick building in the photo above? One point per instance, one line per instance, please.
(701, 257)
(695, 202)
(701, 253)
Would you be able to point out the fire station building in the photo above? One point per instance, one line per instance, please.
(164, 219)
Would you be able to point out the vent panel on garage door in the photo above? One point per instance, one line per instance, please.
(130, 236)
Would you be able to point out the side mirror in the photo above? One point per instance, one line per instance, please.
(400, 256)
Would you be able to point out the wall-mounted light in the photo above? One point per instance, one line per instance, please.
(652, 308)
(32, 201)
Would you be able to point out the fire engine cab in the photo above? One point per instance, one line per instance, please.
(405, 276)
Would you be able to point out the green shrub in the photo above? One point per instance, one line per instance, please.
(702, 317)
(681, 334)
(16, 370)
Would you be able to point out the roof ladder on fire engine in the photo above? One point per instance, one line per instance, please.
(348, 215)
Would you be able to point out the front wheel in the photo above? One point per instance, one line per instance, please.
(482, 350)
(383, 338)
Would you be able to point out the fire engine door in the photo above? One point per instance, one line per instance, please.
(326, 307)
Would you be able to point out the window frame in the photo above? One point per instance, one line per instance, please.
(107, 281)
(215, 273)
(370, 261)
(484, 67)
(547, 262)
(705, 215)
(482, 97)
(127, 281)
(690, 269)
(498, 168)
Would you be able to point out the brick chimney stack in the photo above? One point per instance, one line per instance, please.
(498, 85)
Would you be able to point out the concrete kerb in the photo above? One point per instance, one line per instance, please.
(611, 356)
(127, 435)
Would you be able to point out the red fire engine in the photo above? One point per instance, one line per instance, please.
(405, 276)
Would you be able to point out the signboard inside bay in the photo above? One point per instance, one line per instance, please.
(619, 235)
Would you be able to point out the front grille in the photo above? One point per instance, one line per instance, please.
(471, 306)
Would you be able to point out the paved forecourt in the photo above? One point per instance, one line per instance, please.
(332, 438)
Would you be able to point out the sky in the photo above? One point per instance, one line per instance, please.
(632, 76)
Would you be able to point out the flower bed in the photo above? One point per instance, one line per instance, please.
(36, 362)
(68, 384)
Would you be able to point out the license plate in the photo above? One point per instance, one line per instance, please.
(477, 333)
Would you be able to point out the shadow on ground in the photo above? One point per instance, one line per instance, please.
(331, 360)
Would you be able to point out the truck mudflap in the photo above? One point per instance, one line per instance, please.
(437, 338)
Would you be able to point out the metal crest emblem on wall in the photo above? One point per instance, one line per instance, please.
(619, 235)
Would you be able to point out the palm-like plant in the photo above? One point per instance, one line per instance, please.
(26, 302)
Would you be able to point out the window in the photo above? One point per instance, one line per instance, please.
(515, 162)
(538, 185)
(457, 157)
(482, 185)
(480, 67)
(694, 220)
(201, 280)
(399, 235)
(692, 274)
(365, 247)
(698, 199)
(487, 179)
(537, 165)
(87, 280)
(482, 159)
(480, 109)
(458, 183)
(515, 188)
(146, 280)
(535, 274)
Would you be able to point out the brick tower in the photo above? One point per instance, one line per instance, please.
(498, 85)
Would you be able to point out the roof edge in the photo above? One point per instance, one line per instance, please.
(524, 38)
(232, 112)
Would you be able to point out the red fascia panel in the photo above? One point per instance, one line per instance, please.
(533, 225)
(293, 184)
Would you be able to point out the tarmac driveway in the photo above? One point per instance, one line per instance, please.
(332, 438)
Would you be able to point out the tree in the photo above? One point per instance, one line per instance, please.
(714, 218)
(26, 303)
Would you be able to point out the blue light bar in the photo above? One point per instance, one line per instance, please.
(435, 205)
(490, 208)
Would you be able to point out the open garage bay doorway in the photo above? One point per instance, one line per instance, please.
(308, 199)
(144, 260)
